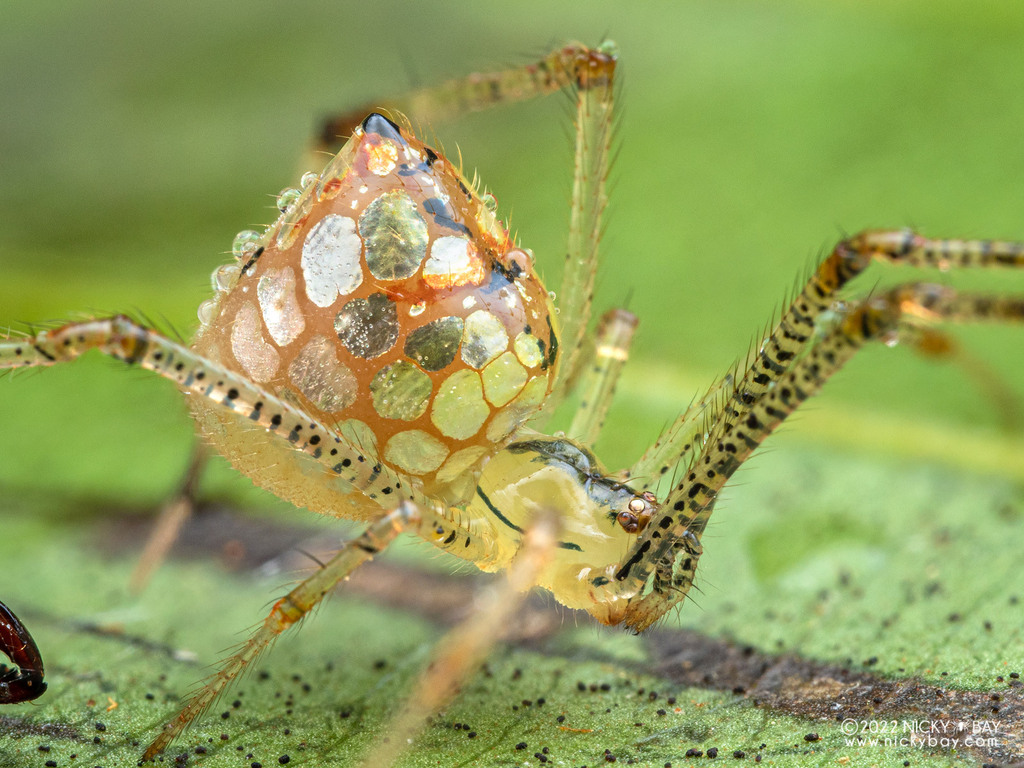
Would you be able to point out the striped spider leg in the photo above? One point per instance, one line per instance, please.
(792, 364)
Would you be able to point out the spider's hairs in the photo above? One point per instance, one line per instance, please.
(719, 396)
(712, 415)
(252, 664)
(569, 103)
(722, 397)
(711, 403)
(27, 330)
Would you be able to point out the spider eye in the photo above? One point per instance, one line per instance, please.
(637, 514)
(628, 521)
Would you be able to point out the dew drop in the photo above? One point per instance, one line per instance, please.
(225, 276)
(287, 198)
(417, 308)
(207, 312)
(245, 244)
(308, 178)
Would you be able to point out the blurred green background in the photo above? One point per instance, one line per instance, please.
(137, 138)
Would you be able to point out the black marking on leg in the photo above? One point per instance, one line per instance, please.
(44, 353)
(623, 572)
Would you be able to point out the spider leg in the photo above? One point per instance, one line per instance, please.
(792, 365)
(677, 445)
(355, 472)
(595, 92)
(393, 500)
(461, 651)
(601, 375)
(796, 329)
(287, 612)
(475, 92)
(174, 513)
(122, 338)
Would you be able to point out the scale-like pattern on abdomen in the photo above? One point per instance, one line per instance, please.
(390, 302)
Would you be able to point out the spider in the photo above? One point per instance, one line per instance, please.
(385, 351)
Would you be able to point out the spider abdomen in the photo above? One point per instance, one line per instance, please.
(390, 302)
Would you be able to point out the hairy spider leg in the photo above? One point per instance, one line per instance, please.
(595, 91)
(792, 365)
(603, 365)
(370, 483)
(287, 612)
(463, 648)
(174, 512)
(558, 70)
(678, 444)
(796, 329)
(24, 682)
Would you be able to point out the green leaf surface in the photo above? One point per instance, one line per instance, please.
(894, 587)
(880, 533)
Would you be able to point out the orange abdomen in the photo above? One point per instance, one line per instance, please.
(389, 302)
